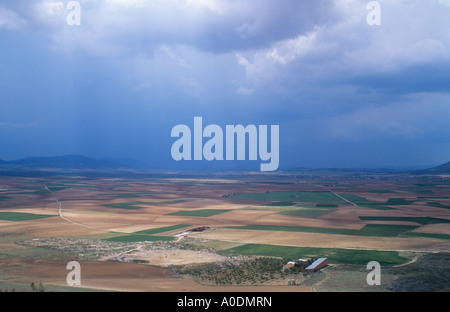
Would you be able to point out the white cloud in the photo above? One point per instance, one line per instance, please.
(126, 2)
(413, 33)
(10, 19)
(211, 25)
(267, 67)
(220, 7)
(50, 13)
(289, 50)
(273, 55)
(50, 8)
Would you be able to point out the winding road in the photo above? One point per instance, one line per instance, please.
(60, 210)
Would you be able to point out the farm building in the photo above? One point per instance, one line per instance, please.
(317, 265)
(289, 265)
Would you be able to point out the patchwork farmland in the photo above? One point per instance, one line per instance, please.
(136, 231)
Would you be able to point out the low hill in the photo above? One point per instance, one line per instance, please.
(442, 169)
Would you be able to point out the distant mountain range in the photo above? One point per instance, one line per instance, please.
(439, 170)
(79, 162)
(61, 162)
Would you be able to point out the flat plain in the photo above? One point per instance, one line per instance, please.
(144, 231)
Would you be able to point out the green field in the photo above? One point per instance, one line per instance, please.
(308, 212)
(163, 229)
(146, 235)
(132, 238)
(127, 205)
(363, 202)
(438, 205)
(22, 216)
(292, 196)
(398, 201)
(58, 187)
(422, 221)
(199, 213)
(433, 197)
(128, 195)
(379, 230)
(178, 201)
(425, 192)
(426, 184)
(335, 256)
(281, 204)
(298, 210)
(318, 197)
(381, 191)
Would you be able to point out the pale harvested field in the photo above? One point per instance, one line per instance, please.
(133, 220)
(49, 210)
(443, 228)
(166, 258)
(124, 223)
(297, 239)
(176, 285)
(49, 227)
(417, 210)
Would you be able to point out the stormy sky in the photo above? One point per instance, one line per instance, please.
(344, 93)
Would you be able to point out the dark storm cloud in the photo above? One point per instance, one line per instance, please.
(216, 26)
(115, 85)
